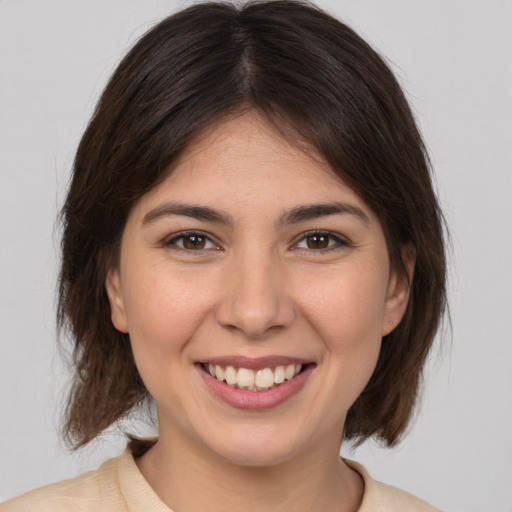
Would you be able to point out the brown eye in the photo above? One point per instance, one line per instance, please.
(194, 242)
(321, 241)
(317, 241)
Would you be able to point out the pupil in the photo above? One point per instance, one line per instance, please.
(194, 242)
(318, 242)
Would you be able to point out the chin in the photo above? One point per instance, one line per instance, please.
(256, 449)
(255, 457)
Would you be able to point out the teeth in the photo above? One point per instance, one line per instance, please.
(279, 374)
(289, 372)
(264, 378)
(220, 374)
(231, 375)
(245, 378)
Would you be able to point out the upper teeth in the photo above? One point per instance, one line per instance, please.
(246, 378)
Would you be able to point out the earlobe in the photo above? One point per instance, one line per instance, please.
(398, 292)
(116, 300)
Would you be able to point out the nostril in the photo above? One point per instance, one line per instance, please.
(256, 318)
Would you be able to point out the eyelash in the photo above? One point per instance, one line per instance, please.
(173, 241)
(337, 240)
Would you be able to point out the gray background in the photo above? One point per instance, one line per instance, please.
(454, 59)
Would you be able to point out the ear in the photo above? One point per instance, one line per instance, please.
(399, 287)
(116, 300)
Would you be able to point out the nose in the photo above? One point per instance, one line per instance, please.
(254, 300)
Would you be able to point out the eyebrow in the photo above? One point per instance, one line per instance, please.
(187, 210)
(313, 211)
(293, 216)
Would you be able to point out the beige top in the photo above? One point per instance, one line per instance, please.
(118, 486)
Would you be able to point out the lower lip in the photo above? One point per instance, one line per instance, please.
(254, 400)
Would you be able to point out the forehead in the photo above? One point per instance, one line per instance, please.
(244, 168)
(247, 156)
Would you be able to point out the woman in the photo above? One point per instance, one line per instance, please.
(252, 241)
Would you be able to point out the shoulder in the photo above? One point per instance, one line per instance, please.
(93, 491)
(380, 497)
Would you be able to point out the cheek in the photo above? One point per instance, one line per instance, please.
(347, 313)
(164, 309)
(347, 305)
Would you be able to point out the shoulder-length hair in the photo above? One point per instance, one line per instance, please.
(322, 86)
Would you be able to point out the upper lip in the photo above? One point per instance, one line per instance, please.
(254, 363)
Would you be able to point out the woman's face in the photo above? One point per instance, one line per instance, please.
(252, 262)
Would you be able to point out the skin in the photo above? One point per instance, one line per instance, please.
(257, 286)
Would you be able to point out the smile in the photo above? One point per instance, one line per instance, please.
(255, 384)
(248, 379)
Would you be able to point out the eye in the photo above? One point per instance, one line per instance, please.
(320, 240)
(192, 241)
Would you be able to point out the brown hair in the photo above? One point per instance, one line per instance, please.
(314, 78)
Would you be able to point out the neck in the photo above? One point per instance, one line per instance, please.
(188, 477)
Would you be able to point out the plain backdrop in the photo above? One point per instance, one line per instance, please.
(454, 59)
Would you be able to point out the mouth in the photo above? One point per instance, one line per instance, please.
(249, 379)
(255, 384)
